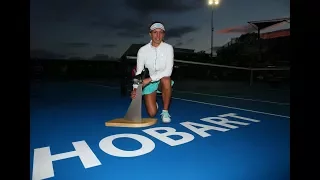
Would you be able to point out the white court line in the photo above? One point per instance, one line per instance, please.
(212, 95)
(230, 97)
(259, 112)
(110, 87)
(218, 105)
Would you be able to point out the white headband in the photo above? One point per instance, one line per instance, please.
(157, 26)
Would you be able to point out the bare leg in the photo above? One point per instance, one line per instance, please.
(150, 101)
(165, 86)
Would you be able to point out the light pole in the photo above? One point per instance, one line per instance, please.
(212, 3)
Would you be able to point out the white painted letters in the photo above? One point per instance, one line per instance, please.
(239, 117)
(42, 159)
(107, 146)
(164, 137)
(202, 131)
(223, 122)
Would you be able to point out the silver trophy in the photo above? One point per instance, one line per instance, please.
(134, 110)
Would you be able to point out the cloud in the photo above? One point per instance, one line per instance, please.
(180, 43)
(136, 29)
(70, 10)
(144, 7)
(104, 16)
(239, 29)
(108, 45)
(180, 31)
(285, 3)
(127, 27)
(100, 57)
(45, 54)
(88, 10)
(101, 23)
(77, 44)
(190, 40)
(129, 34)
(131, 28)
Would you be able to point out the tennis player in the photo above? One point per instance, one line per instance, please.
(157, 56)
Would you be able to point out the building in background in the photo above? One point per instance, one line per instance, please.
(276, 34)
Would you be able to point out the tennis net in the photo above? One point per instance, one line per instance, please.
(207, 76)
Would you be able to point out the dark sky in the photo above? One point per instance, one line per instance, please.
(84, 28)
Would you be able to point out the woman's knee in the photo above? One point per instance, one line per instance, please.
(151, 106)
(165, 79)
(165, 82)
(152, 113)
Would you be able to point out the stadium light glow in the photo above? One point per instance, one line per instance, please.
(215, 2)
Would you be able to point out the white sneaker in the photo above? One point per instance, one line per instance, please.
(165, 116)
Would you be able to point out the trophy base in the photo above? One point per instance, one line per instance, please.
(121, 122)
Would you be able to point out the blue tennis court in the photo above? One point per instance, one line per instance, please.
(210, 137)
